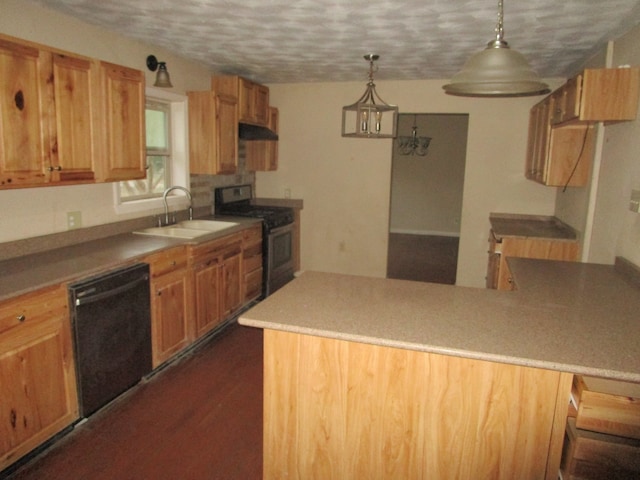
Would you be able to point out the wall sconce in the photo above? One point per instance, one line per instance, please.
(162, 77)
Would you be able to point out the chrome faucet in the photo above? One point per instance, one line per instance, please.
(166, 207)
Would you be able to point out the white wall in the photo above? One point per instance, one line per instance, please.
(38, 211)
(345, 182)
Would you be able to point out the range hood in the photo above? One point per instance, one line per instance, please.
(255, 132)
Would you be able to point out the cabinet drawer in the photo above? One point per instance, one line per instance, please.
(607, 406)
(253, 284)
(167, 261)
(226, 246)
(32, 307)
(595, 456)
(252, 263)
(253, 234)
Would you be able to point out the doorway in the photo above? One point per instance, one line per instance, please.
(426, 197)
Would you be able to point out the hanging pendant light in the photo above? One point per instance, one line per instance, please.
(497, 71)
(370, 116)
(413, 145)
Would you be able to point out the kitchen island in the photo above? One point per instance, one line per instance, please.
(377, 378)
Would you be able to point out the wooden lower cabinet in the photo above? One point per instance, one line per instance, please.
(252, 263)
(38, 394)
(498, 273)
(171, 299)
(194, 288)
(217, 284)
(347, 410)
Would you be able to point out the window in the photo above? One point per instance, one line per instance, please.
(158, 131)
(167, 158)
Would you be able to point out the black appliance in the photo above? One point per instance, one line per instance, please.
(111, 320)
(277, 233)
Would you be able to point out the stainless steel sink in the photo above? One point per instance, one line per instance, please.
(175, 232)
(188, 229)
(209, 225)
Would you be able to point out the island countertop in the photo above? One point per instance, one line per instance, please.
(566, 316)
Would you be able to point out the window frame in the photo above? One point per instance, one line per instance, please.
(179, 169)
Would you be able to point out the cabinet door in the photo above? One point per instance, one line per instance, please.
(538, 140)
(213, 133)
(261, 104)
(123, 112)
(232, 284)
(207, 290)
(75, 91)
(610, 94)
(37, 372)
(227, 134)
(170, 315)
(245, 100)
(570, 154)
(25, 107)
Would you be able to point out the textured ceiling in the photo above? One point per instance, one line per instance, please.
(275, 41)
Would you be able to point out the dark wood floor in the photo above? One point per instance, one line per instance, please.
(423, 258)
(200, 418)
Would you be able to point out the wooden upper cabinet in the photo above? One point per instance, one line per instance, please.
(67, 119)
(26, 104)
(213, 133)
(76, 85)
(561, 138)
(253, 98)
(124, 131)
(262, 155)
(253, 102)
(598, 95)
(558, 155)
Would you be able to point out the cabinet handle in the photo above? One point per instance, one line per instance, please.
(57, 168)
(159, 293)
(21, 318)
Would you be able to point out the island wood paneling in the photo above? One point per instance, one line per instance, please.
(343, 410)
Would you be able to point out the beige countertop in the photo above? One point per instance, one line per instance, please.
(530, 226)
(31, 272)
(566, 316)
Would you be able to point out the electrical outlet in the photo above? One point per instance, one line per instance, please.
(287, 193)
(74, 220)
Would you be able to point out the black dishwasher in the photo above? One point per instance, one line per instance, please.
(112, 331)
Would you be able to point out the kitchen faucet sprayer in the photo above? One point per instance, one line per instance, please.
(166, 207)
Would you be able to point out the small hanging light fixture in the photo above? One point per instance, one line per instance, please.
(370, 116)
(413, 145)
(496, 71)
(162, 77)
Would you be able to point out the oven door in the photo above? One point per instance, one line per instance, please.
(279, 258)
